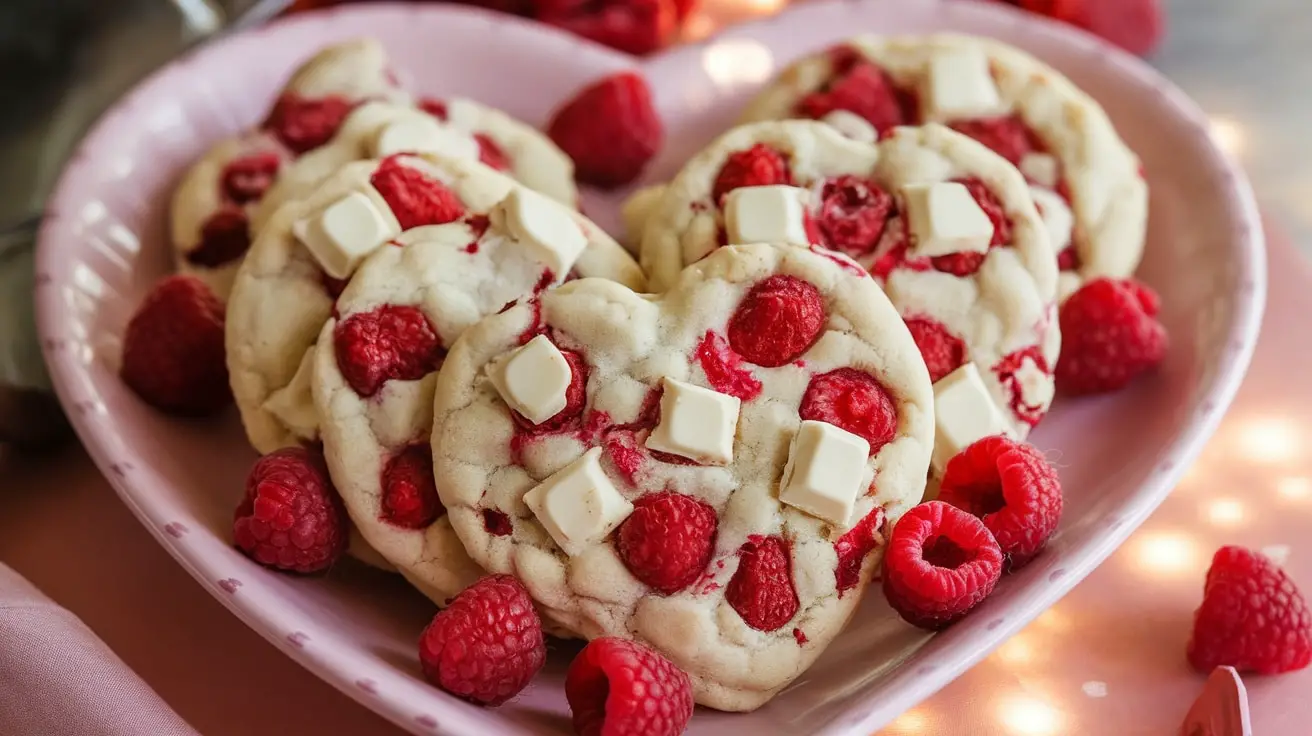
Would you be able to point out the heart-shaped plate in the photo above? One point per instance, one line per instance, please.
(103, 244)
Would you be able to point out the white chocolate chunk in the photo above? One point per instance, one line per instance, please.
(293, 404)
(945, 219)
(345, 232)
(696, 423)
(958, 86)
(1040, 168)
(545, 226)
(533, 379)
(1036, 387)
(422, 134)
(1058, 219)
(578, 506)
(964, 413)
(851, 125)
(825, 471)
(768, 214)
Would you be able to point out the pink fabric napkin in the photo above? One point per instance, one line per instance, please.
(57, 678)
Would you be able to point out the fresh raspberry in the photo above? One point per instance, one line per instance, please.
(965, 264)
(434, 107)
(224, 238)
(1134, 25)
(943, 351)
(757, 166)
(173, 349)
(636, 27)
(724, 369)
(853, 547)
(618, 687)
(853, 401)
(409, 494)
(246, 179)
(1110, 335)
(413, 197)
(1007, 371)
(487, 645)
(1252, 618)
(1012, 488)
(852, 215)
(291, 518)
(667, 541)
(779, 319)
(305, 124)
(1008, 136)
(940, 563)
(610, 129)
(575, 396)
(491, 154)
(391, 342)
(859, 87)
(761, 589)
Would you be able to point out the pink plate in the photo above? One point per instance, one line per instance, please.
(103, 245)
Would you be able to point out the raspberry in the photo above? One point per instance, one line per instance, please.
(853, 401)
(618, 687)
(757, 166)
(291, 517)
(1252, 618)
(1134, 25)
(636, 27)
(939, 564)
(491, 154)
(224, 238)
(1069, 259)
(779, 319)
(1008, 136)
(1012, 488)
(852, 215)
(761, 590)
(859, 87)
(852, 548)
(667, 541)
(1110, 335)
(943, 351)
(1007, 370)
(487, 645)
(724, 369)
(575, 396)
(246, 179)
(610, 129)
(173, 349)
(391, 342)
(409, 497)
(304, 124)
(414, 198)
(434, 107)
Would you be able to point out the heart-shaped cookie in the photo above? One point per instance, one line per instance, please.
(708, 470)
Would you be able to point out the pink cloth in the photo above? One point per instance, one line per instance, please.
(57, 677)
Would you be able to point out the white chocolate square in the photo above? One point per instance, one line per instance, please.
(696, 423)
(578, 506)
(1058, 219)
(944, 219)
(546, 227)
(533, 380)
(851, 125)
(1040, 168)
(959, 86)
(826, 471)
(964, 413)
(422, 134)
(341, 235)
(768, 214)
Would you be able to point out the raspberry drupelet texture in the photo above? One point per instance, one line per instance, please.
(939, 564)
(761, 589)
(610, 129)
(757, 166)
(943, 351)
(173, 350)
(853, 401)
(1110, 336)
(413, 197)
(667, 541)
(291, 517)
(779, 319)
(852, 214)
(619, 687)
(861, 88)
(409, 497)
(389, 343)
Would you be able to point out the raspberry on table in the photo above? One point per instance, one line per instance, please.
(291, 517)
(619, 687)
(724, 368)
(779, 319)
(939, 564)
(575, 396)
(1012, 488)
(852, 214)
(610, 129)
(943, 351)
(861, 88)
(1008, 136)
(1110, 335)
(667, 541)
(415, 198)
(389, 343)
(224, 237)
(246, 179)
(409, 499)
(1252, 618)
(761, 589)
(490, 154)
(853, 401)
(303, 124)
(636, 27)
(854, 546)
(487, 645)
(757, 166)
(173, 349)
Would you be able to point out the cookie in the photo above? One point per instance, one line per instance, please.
(656, 478)
(1088, 184)
(375, 404)
(947, 226)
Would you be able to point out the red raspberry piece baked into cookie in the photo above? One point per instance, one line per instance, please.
(610, 128)
(618, 687)
(940, 563)
(757, 166)
(224, 238)
(943, 352)
(409, 496)
(762, 589)
(246, 179)
(173, 354)
(857, 86)
(852, 215)
(415, 199)
(291, 518)
(667, 541)
(854, 401)
(1110, 336)
(305, 124)
(389, 343)
(778, 320)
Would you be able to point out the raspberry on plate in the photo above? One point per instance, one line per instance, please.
(173, 354)
(291, 518)
(940, 563)
(1012, 488)
(610, 129)
(487, 645)
(1252, 618)
(1110, 335)
(618, 687)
